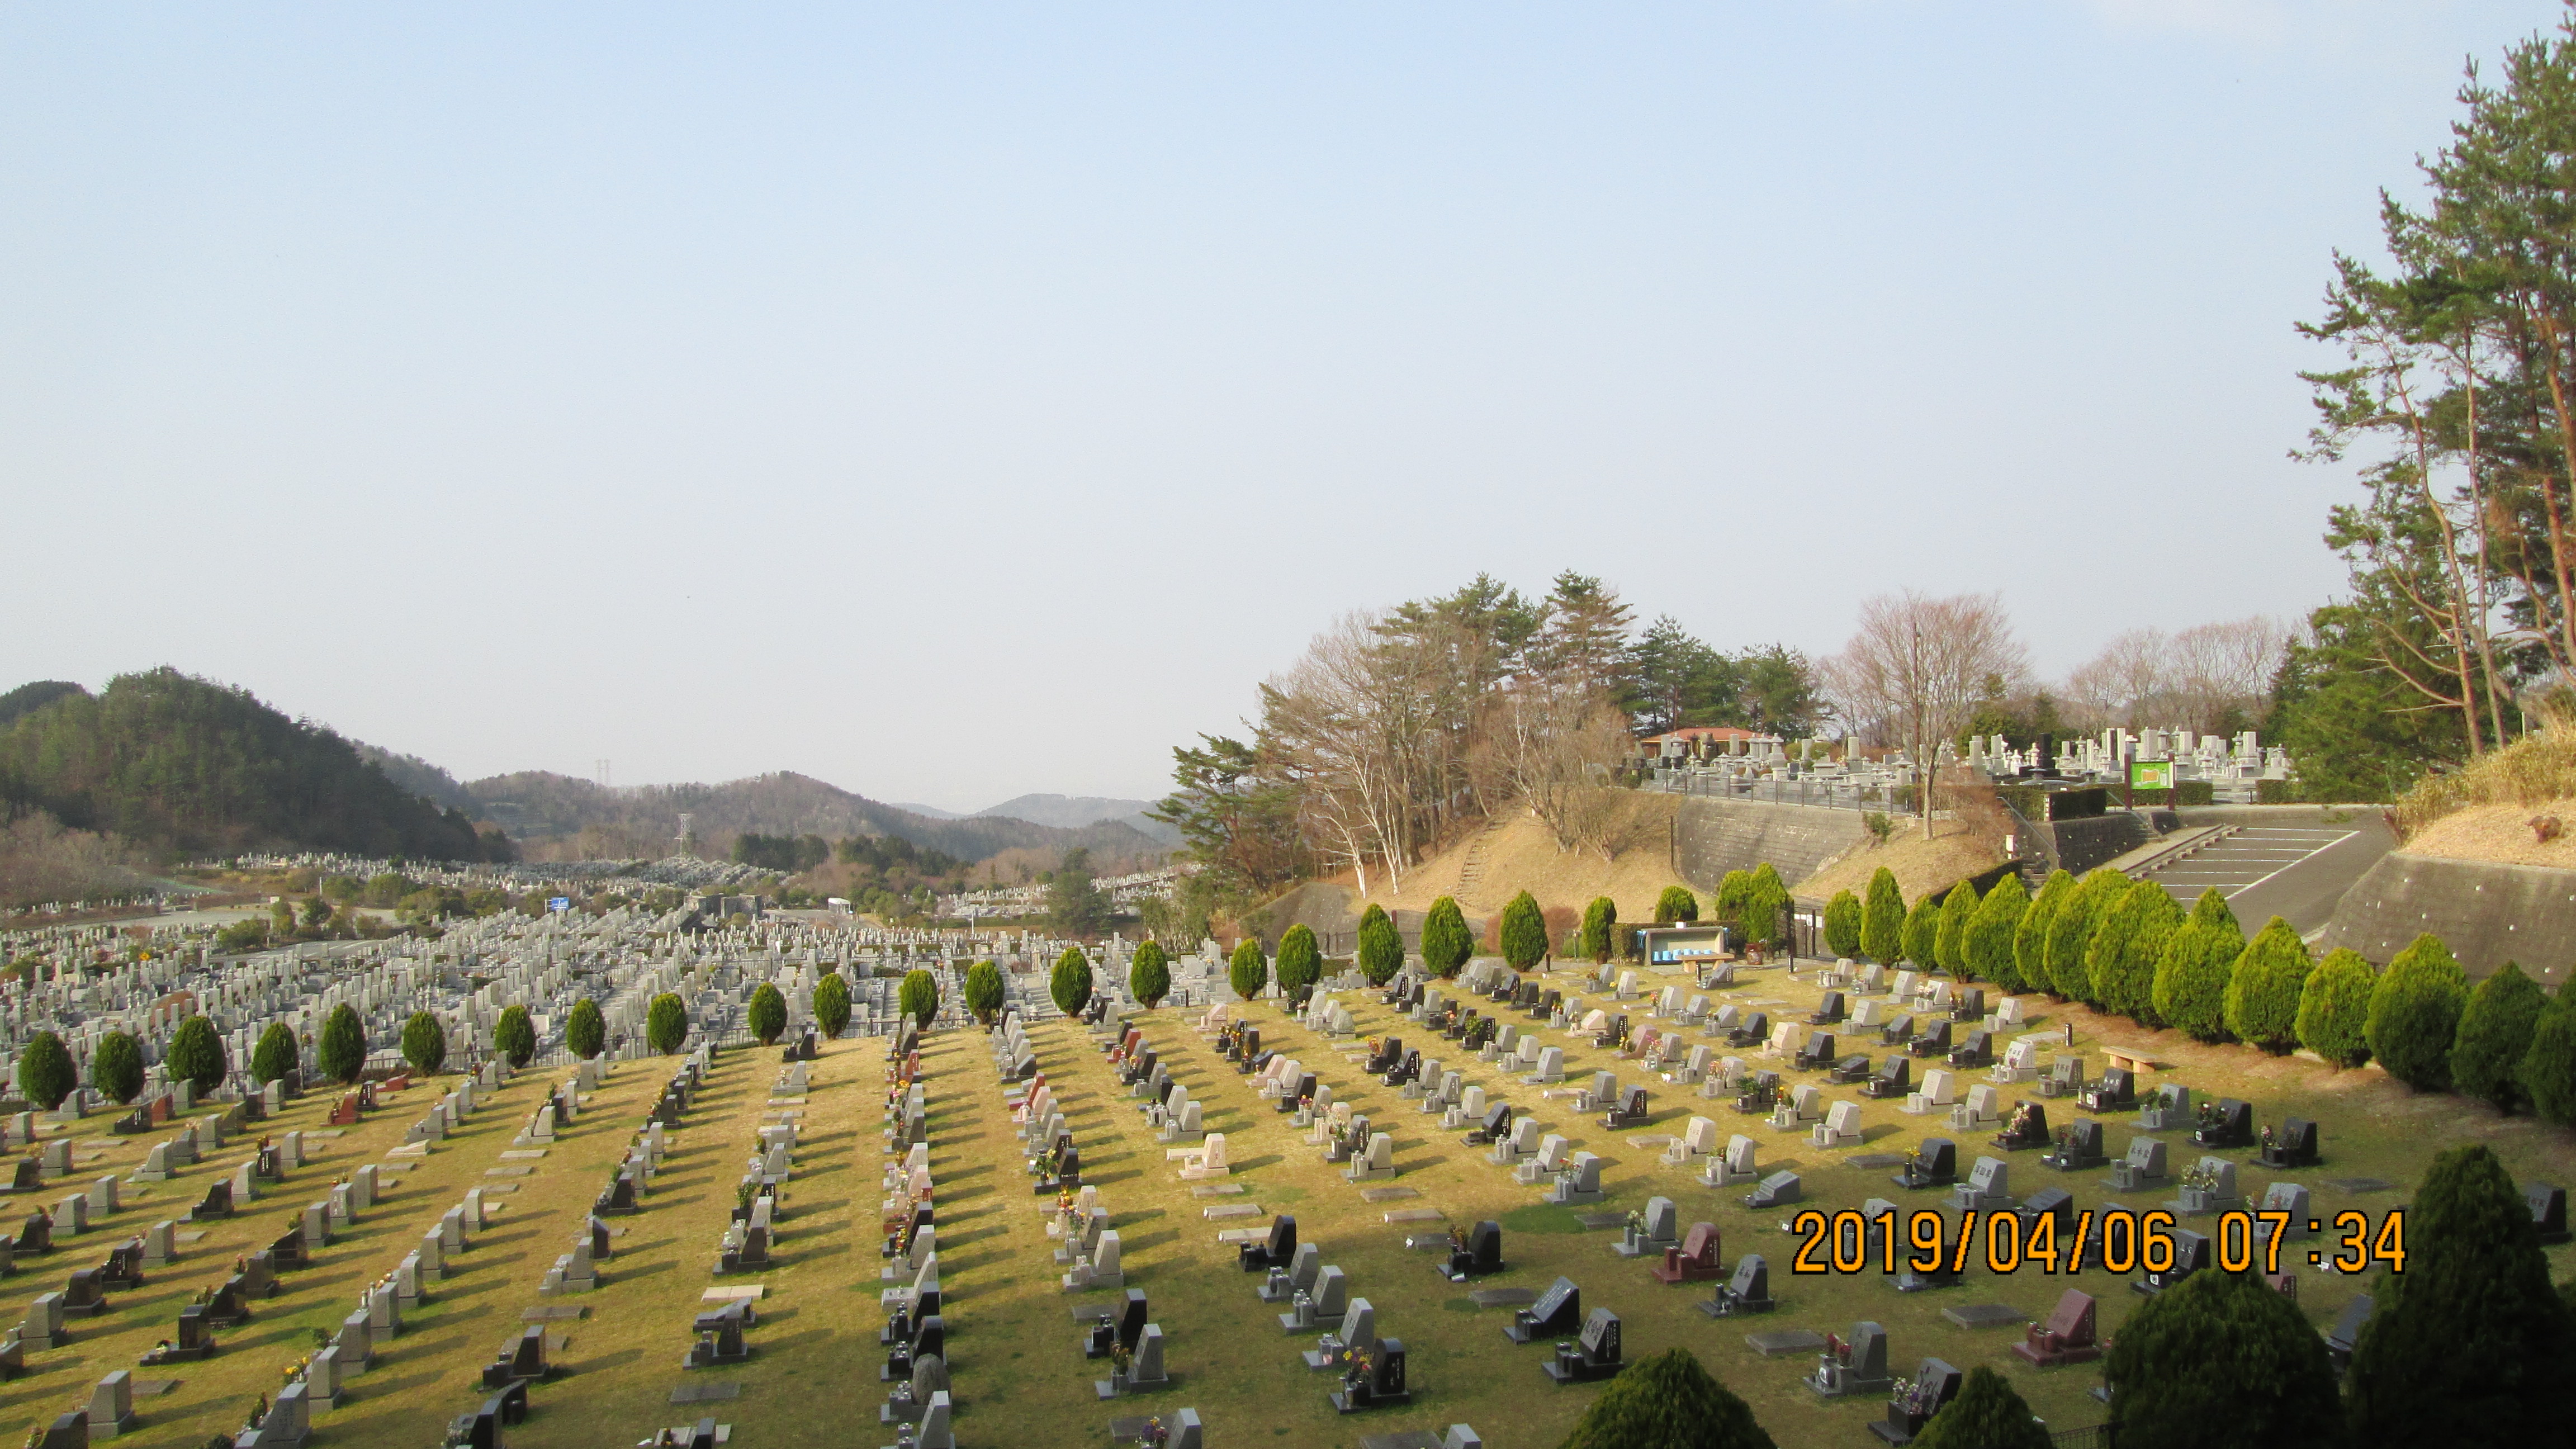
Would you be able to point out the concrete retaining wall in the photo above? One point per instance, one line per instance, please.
(2080, 845)
(1712, 837)
(2487, 914)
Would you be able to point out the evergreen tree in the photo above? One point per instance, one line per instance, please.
(918, 994)
(1676, 906)
(1987, 1414)
(1766, 908)
(515, 1036)
(1446, 941)
(832, 1000)
(1731, 890)
(1149, 976)
(2469, 1345)
(1597, 939)
(586, 1033)
(2263, 989)
(2070, 933)
(2549, 1068)
(1667, 1402)
(2415, 1014)
(2124, 952)
(45, 1072)
(1069, 985)
(1524, 932)
(196, 1055)
(1882, 918)
(1381, 947)
(766, 1014)
(1248, 971)
(272, 1057)
(2495, 1035)
(2334, 1008)
(342, 1052)
(116, 1069)
(1301, 962)
(2191, 978)
(2221, 1361)
(666, 1024)
(1842, 925)
(2030, 938)
(2212, 910)
(424, 1041)
(1988, 953)
(1950, 946)
(1923, 933)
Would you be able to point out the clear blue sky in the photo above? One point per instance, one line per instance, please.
(958, 401)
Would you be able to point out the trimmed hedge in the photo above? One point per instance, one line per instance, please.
(2263, 991)
(2415, 1014)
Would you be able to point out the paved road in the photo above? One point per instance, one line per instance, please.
(2295, 871)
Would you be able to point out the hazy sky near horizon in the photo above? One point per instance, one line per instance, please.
(952, 402)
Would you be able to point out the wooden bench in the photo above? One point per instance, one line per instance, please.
(2135, 1064)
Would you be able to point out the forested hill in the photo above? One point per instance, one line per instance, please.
(186, 766)
(539, 805)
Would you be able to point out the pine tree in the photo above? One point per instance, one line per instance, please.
(2191, 977)
(832, 1000)
(45, 1072)
(1597, 939)
(1882, 918)
(424, 1041)
(1149, 977)
(1667, 1402)
(1988, 954)
(2415, 1014)
(2495, 1035)
(342, 1052)
(1069, 984)
(2549, 1069)
(586, 1033)
(917, 996)
(1524, 932)
(2469, 1345)
(1842, 925)
(272, 1057)
(2221, 1361)
(766, 1014)
(2123, 954)
(1950, 946)
(2334, 1008)
(196, 1055)
(1381, 952)
(1676, 906)
(2212, 910)
(1247, 971)
(1987, 1414)
(2071, 932)
(2263, 989)
(515, 1035)
(1923, 933)
(2030, 938)
(1446, 941)
(1301, 962)
(666, 1025)
(116, 1068)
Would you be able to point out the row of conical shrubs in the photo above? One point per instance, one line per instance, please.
(2127, 947)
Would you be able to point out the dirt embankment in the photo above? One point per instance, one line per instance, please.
(2501, 834)
(1518, 853)
(1922, 866)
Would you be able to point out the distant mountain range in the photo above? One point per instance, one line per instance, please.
(1065, 812)
(181, 764)
(540, 805)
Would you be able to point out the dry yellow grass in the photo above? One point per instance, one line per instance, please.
(1519, 854)
(1921, 866)
(2500, 834)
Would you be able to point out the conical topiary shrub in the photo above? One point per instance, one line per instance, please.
(2415, 1014)
(2494, 1035)
(2263, 990)
(2334, 1008)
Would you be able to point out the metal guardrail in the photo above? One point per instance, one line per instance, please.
(1822, 794)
